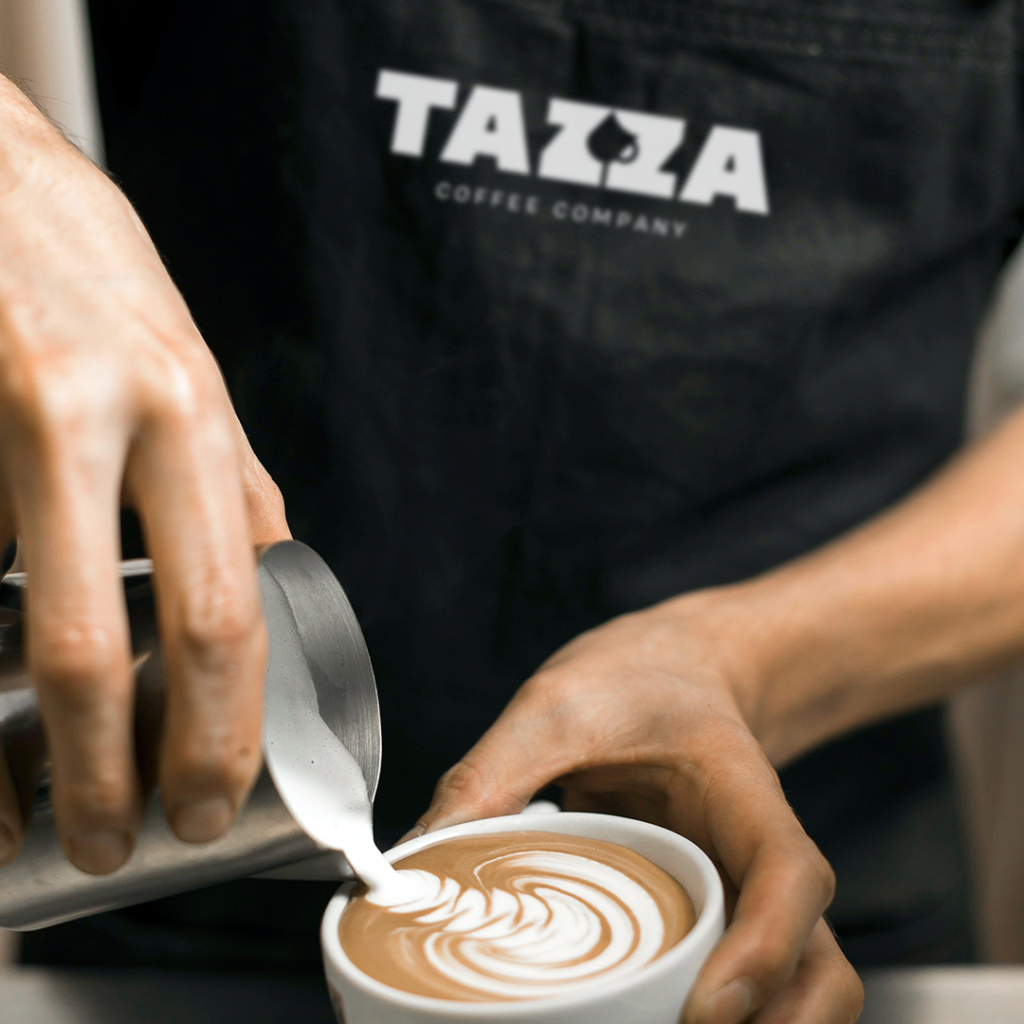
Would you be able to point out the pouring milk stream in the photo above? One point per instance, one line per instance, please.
(505, 923)
(511, 924)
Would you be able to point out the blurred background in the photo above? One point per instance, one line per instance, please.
(987, 722)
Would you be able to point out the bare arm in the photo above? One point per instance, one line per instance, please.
(896, 614)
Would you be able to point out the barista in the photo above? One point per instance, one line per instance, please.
(702, 481)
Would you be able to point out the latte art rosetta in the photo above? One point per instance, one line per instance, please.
(517, 916)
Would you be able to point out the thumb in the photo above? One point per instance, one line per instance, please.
(520, 754)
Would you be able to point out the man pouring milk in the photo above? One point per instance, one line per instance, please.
(669, 517)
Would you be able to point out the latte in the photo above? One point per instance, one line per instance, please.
(516, 915)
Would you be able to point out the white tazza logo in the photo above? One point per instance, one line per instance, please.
(621, 150)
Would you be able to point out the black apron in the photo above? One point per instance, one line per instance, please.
(613, 301)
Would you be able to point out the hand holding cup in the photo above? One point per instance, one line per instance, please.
(647, 717)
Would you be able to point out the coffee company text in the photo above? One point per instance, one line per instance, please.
(620, 150)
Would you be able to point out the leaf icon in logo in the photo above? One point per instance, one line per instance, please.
(609, 141)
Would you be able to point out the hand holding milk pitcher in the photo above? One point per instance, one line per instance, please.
(109, 395)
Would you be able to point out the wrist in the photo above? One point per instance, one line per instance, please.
(754, 636)
(32, 150)
(724, 630)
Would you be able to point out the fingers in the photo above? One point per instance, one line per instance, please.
(100, 363)
(263, 499)
(531, 744)
(476, 788)
(785, 885)
(11, 828)
(617, 737)
(185, 478)
(824, 990)
(78, 644)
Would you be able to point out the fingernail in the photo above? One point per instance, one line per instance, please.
(8, 844)
(731, 1004)
(203, 820)
(414, 833)
(99, 853)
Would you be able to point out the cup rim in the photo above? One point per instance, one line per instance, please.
(708, 920)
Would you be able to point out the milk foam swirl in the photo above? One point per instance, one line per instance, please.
(517, 916)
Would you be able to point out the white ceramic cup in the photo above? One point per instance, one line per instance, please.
(654, 994)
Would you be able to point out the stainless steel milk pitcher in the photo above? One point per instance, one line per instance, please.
(303, 602)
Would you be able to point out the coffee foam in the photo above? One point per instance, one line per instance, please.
(518, 915)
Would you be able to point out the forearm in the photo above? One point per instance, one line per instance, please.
(25, 135)
(892, 616)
